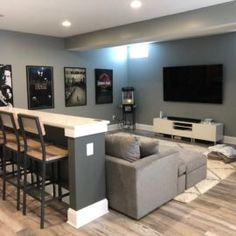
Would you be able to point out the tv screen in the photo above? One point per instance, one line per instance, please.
(201, 83)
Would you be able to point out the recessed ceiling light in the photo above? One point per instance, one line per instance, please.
(66, 23)
(136, 4)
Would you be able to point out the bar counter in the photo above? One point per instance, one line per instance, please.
(86, 162)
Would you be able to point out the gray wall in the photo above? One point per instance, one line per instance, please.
(20, 49)
(146, 76)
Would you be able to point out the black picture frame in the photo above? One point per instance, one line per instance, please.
(6, 86)
(75, 86)
(104, 86)
(40, 91)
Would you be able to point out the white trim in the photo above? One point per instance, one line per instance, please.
(144, 127)
(85, 130)
(229, 139)
(83, 216)
(113, 127)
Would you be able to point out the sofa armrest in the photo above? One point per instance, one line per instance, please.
(139, 187)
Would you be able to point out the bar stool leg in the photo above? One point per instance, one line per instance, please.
(43, 196)
(18, 180)
(59, 180)
(36, 170)
(13, 165)
(24, 188)
(1, 157)
(53, 179)
(4, 175)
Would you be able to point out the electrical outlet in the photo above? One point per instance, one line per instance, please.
(90, 149)
(113, 117)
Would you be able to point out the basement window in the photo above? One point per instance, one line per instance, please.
(140, 50)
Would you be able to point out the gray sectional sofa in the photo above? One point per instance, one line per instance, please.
(137, 185)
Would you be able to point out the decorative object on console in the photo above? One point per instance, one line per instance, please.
(208, 120)
(161, 114)
(6, 92)
(75, 86)
(40, 87)
(104, 86)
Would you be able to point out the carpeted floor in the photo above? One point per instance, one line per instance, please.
(216, 170)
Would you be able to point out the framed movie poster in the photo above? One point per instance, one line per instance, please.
(75, 86)
(104, 86)
(6, 91)
(40, 87)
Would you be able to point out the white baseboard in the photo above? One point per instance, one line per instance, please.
(83, 216)
(144, 127)
(113, 127)
(229, 139)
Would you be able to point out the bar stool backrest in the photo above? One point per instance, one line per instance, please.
(9, 120)
(9, 124)
(31, 125)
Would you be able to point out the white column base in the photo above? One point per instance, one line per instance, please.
(83, 216)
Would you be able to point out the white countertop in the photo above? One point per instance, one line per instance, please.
(74, 126)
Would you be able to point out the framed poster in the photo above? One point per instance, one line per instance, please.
(40, 87)
(75, 86)
(6, 91)
(104, 86)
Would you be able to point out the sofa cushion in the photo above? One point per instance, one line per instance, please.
(148, 147)
(125, 147)
(192, 160)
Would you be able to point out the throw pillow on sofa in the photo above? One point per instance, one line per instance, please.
(124, 147)
(148, 147)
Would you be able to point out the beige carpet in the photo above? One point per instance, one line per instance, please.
(216, 170)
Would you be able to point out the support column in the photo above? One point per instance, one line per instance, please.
(87, 179)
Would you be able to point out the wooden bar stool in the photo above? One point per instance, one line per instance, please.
(13, 145)
(44, 155)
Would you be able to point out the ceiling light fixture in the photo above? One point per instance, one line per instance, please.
(66, 23)
(136, 4)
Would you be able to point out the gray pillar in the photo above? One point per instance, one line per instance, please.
(86, 173)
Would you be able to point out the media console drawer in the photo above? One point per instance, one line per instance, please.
(163, 126)
(210, 132)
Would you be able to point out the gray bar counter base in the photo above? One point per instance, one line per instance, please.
(86, 177)
(86, 173)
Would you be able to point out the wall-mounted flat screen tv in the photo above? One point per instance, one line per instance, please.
(200, 83)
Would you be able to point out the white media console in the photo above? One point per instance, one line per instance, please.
(209, 132)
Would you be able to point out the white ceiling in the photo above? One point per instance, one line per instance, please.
(45, 16)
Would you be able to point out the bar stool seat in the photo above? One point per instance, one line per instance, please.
(52, 153)
(13, 145)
